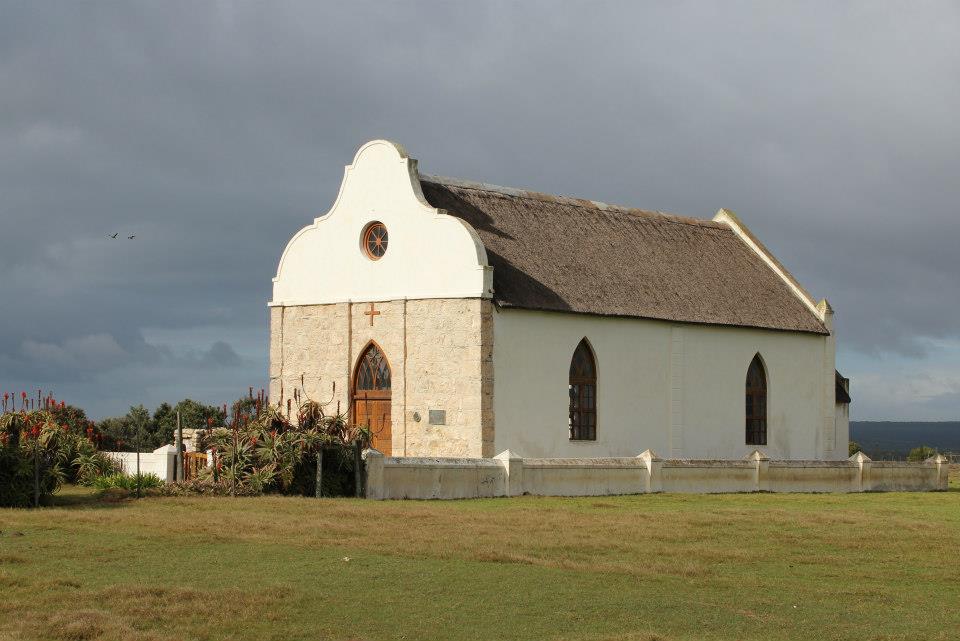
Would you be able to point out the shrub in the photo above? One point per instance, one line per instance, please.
(921, 453)
(264, 450)
(126, 482)
(92, 465)
(204, 487)
(853, 447)
(16, 478)
(32, 439)
(56, 436)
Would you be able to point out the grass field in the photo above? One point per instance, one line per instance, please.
(741, 566)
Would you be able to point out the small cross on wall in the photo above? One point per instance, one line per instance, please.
(371, 313)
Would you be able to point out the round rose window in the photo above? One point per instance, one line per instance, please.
(375, 240)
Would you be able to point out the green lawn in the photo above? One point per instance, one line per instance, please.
(740, 566)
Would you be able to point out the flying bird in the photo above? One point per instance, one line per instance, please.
(115, 235)
(132, 237)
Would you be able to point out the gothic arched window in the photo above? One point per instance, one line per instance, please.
(756, 395)
(583, 394)
(373, 371)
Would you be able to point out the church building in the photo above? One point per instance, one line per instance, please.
(460, 319)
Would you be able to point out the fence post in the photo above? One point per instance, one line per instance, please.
(138, 468)
(36, 473)
(863, 463)
(319, 492)
(179, 473)
(373, 462)
(652, 471)
(358, 468)
(512, 471)
(761, 464)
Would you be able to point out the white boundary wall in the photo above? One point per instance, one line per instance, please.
(161, 462)
(511, 475)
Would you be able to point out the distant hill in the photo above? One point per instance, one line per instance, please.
(895, 439)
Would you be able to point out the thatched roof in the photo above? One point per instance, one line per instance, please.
(569, 255)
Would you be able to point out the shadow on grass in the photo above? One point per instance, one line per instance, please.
(76, 496)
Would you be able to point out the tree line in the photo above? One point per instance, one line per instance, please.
(139, 429)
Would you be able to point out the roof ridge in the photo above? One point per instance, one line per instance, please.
(569, 200)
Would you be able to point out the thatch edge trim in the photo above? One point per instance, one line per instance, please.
(513, 192)
(820, 309)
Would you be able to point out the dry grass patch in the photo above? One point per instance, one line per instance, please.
(87, 625)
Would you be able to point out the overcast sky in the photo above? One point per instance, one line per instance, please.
(213, 131)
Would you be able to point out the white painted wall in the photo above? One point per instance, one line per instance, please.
(429, 254)
(677, 389)
(842, 418)
(161, 461)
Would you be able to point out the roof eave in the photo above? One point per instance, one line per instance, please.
(821, 331)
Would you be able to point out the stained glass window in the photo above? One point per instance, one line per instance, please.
(373, 372)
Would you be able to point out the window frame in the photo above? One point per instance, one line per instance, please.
(366, 236)
(756, 404)
(582, 396)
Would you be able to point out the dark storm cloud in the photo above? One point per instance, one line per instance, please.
(214, 131)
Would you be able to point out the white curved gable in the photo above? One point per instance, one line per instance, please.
(429, 255)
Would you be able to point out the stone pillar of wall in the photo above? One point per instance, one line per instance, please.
(373, 482)
(513, 471)
(942, 464)
(863, 463)
(653, 471)
(761, 464)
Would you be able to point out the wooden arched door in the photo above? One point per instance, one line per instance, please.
(371, 397)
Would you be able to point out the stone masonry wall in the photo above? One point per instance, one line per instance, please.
(440, 353)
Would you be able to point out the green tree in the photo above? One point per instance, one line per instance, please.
(853, 447)
(141, 429)
(116, 434)
(192, 415)
(135, 430)
(138, 428)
